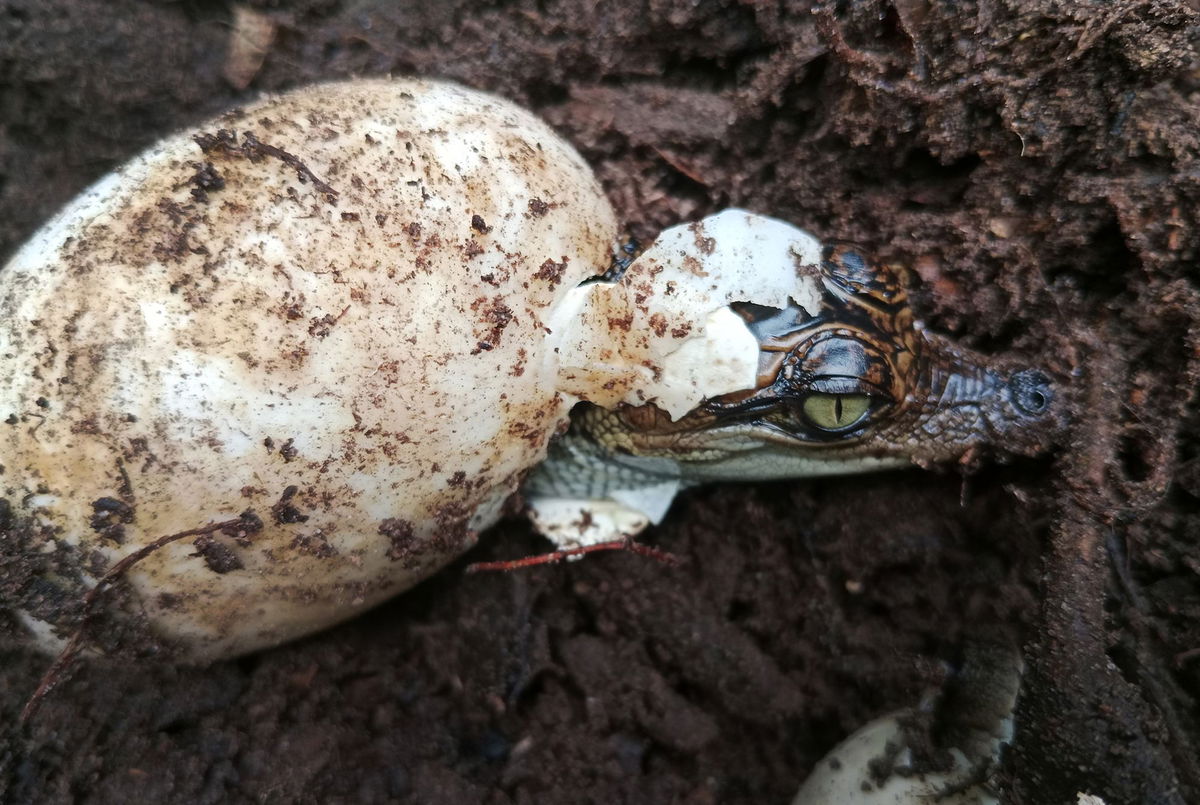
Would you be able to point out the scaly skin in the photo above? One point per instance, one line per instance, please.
(926, 400)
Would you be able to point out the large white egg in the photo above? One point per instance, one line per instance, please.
(329, 308)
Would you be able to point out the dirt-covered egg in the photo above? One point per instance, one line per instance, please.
(948, 750)
(329, 309)
(283, 366)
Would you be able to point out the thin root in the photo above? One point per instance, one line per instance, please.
(554, 557)
(245, 524)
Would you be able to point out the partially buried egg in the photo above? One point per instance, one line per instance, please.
(327, 311)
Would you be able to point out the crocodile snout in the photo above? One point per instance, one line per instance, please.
(1027, 413)
(964, 399)
(1031, 392)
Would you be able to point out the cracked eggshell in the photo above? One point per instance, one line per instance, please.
(672, 338)
(335, 318)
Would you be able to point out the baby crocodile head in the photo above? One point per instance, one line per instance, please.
(856, 384)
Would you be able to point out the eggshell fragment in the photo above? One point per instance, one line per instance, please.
(869, 768)
(672, 338)
(877, 764)
(329, 309)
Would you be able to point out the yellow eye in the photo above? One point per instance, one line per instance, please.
(836, 411)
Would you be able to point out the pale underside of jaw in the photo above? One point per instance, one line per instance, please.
(636, 501)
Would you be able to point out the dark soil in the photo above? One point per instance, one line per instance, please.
(1034, 161)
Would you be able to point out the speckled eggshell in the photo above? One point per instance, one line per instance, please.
(328, 308)
(670, 337)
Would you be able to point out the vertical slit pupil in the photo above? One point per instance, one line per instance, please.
(837, 409)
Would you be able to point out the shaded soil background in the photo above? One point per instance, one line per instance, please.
(1035, 164)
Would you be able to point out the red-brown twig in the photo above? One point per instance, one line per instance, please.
(554, 557)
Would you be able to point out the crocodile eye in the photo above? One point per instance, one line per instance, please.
(834, 412)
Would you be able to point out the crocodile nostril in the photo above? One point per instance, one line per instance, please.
(1031, 391)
